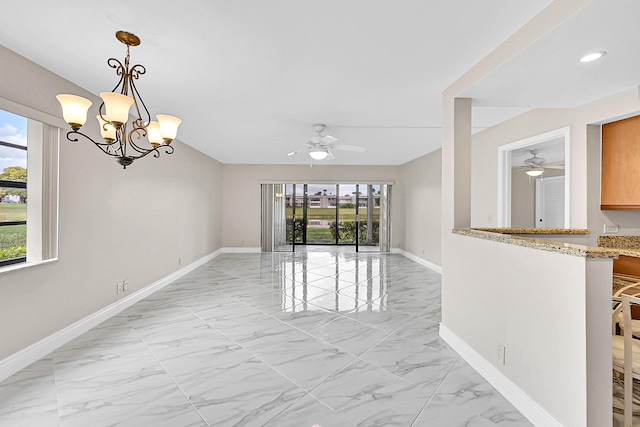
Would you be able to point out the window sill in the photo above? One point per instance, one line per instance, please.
(23, 265)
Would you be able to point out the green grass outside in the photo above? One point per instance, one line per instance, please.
(329, 214)
(13, 238)
(13, 212)
(319, 235)
(13, 241)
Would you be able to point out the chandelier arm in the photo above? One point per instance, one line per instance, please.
(140, 132)
(105, 147)
(123, 72)
(137, 70)
(137, 97)
(168, 149)
(117, 65)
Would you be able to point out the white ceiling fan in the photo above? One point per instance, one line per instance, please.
(535, 166)
(319, 146)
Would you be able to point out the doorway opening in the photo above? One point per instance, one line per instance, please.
(520, 191)
(342, 214)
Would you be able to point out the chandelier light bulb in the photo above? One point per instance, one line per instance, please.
(153, 134)
(74, 109)
(168, 127)
(117, 107)
(107, 130)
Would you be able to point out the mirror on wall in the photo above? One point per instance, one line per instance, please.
(534, 182)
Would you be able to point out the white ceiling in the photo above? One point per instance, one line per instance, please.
(250, 78)
(548, 73)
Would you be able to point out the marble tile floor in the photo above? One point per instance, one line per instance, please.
(316, 338)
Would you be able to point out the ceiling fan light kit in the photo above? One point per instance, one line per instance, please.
(535, 166)
(113, 115)
(319, 146)
(535, 171)
(318, 153)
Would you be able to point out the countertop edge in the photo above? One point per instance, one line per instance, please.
(565, 231)
(544, 245)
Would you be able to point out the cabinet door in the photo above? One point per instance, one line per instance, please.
(620, 188)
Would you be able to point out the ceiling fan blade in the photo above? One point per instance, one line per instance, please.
(291, 153)
(330, 156)
(558, 163)
(535, 160)
(328, 139)
(551, 166)
(349, 148)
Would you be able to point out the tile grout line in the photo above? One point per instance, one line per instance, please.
(175, 382)
(435, 392)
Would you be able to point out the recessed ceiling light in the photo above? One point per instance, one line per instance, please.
(592, 56)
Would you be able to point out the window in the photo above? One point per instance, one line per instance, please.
(28, 224)
(13, 188)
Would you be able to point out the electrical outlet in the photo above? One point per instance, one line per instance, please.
(501, 353)
(610, 228)
(125, 285)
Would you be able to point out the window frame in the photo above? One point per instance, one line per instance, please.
(43, 152)
(13, 184)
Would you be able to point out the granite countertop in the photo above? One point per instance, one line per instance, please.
(625, 245)
(535, 230)
(628, 252)
(509, 236)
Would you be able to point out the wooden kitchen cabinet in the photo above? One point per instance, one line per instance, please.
(620, 188)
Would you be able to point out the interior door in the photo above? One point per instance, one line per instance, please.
(550, 202)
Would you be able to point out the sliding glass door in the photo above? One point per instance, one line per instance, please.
(326, 214)
(369, 218)
(320, 213)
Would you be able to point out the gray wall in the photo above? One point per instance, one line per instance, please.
(113, 224)
(241, 198)
(422, 183)
(415, 207)
(584, 161)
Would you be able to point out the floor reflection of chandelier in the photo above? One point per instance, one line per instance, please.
(123, 144)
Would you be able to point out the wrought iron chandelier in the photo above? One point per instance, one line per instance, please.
(113, 115)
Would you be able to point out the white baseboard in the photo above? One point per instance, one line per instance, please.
(421, 261)
(241, 250)
(20, 360)
(514, 394)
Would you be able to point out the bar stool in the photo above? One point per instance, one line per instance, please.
(626, 353)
